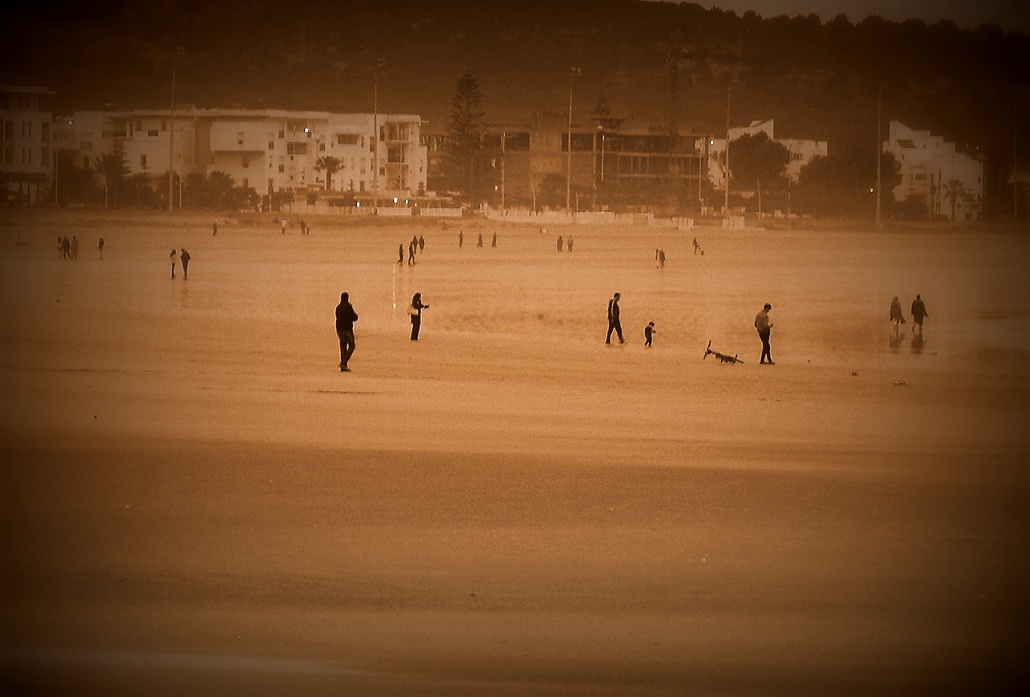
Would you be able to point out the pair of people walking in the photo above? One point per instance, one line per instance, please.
(919, 313)
(182, 256)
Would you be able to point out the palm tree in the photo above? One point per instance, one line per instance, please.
(954, 191)
(331, 165)
(112, 169)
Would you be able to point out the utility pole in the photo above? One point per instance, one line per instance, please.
(573, 73)
(171, 137)
(726, 191)
(375, 137)
(879, 150)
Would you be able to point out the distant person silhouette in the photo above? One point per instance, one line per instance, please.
(560, 243)
(100, 246)
(614, 322)
(919, 312)
(648, 334)
(764, 327)
(897, 319)
(345, 319)
(415, 312)
(173, 257)
(184, 256)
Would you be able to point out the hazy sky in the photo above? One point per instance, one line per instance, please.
(1010, 15)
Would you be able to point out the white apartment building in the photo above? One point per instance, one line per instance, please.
(931, 167)
(271, 151)
(26, 155)
(801, 151)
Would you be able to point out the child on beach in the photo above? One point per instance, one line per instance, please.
(649, 334)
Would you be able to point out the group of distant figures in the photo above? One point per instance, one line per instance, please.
(479, 239)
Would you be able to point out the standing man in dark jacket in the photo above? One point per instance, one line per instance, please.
(614, 323)
(345, 319)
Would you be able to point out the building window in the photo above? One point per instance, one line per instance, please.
(346, 139)
(153, 133)
(245, 161)
(282, 168)
(271, 145)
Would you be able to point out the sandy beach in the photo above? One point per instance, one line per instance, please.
(196, 501)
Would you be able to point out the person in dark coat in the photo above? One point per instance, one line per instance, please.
(919, 312)
(345, 319)
(184, 257)
(415, 312)
(614, 323)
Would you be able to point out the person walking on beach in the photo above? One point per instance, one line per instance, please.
(66, 247)
(648, 334)
(421, 244)
(560, 243)
(173, 256)
(184, 256)
(897, 319)
(764, 326)
(411, 253)
(75, 247)
(345, 319)
(493, 240)
(614, 323)
(461, 238)
(415, 312)
(400, 254)
(100, 246)
(479, 243)
(919, 312)
(568, 243)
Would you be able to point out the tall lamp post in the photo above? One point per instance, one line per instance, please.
(573, 73)
(726, 191)
(879, 150)
(375, 137)
(171, 137)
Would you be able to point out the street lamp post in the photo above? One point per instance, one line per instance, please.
(879, 149)
(726, 191)
(573, 73)
(375, 137)
(171, 137)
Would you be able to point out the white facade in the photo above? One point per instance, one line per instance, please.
(931, 168)
(801, 151)
(271, 151)
(26, 155)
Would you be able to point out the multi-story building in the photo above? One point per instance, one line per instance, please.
(271, 151)
(934, 173)
(604, 164)
(26, 156)
(801, 151)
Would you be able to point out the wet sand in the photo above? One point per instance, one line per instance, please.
(196, 501)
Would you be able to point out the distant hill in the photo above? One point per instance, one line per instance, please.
(658, 63)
